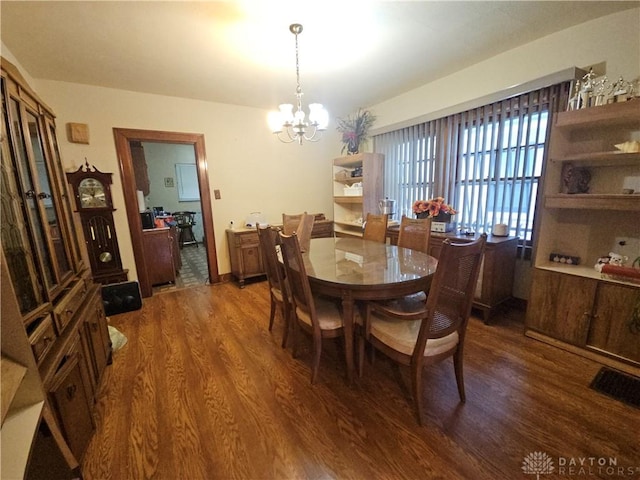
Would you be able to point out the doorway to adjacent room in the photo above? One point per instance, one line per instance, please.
(124, 139)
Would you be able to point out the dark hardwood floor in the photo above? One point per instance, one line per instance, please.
(203, 390)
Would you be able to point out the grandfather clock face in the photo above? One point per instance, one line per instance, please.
(92, 193)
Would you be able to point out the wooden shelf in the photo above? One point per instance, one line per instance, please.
(348, 199)
(601, 159)
(625, 113)
(348, 180)
(12, 375)
(587, 271)
(591, 201)
(349, 161)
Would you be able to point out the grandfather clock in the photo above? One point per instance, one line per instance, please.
(92, 191)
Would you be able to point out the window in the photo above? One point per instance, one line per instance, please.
(187, 177)
(486, 162)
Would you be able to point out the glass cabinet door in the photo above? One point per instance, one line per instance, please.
(16, 239)
(34, 236)
(66, 201)
(44, 184)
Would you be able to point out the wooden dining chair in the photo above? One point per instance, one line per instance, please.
(290, 222)
(316, 315)
(300, 224)
(278, 288)
(415, 233)
(375, 228)
(438, 330)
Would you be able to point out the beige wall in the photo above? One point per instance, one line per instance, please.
(613, 39)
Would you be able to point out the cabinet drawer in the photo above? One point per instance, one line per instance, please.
(69, 305)
(248, 239)
(42, 336)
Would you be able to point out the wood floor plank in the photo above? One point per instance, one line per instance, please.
(203, 390)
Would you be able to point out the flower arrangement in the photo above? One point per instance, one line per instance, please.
(355, 129)
(433, 207)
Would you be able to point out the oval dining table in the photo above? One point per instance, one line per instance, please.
(354, 269)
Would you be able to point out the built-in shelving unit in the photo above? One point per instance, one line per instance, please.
(575, 305)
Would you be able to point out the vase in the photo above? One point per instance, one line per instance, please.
(352, 146)
(442, 217)
(422, 215)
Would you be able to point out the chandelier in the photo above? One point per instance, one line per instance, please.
(290, 126)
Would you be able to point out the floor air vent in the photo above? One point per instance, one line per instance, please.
(618, 385)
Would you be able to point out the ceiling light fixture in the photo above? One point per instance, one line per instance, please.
(290, 126)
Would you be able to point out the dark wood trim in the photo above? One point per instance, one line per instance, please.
(122, 138)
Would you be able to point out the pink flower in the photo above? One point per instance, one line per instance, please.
(434, 206)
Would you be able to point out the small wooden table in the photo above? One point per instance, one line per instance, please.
(354, 269)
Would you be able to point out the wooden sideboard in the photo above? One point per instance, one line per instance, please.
(495, 283)
(244, 251)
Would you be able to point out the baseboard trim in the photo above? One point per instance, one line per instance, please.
(591, 355)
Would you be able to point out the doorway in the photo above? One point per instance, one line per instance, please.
(123, 139)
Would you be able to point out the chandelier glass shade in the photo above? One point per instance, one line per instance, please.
(294, 126)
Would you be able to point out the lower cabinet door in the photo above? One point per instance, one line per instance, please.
(251, 261)
(560, 306)
(98, 335)
(615, 327)
(71, 401)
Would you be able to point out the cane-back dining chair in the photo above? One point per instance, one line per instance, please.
(415, 233)
(438, 330)
(278, 289)
(301, 225)
(375, 228)
(316, 315)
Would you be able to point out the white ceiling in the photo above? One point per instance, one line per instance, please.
(352, 53)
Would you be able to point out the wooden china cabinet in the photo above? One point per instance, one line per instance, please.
(55, 339)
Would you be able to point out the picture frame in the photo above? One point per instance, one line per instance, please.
(168, 182)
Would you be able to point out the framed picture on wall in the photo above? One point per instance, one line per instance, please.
(168, 182)
(187, 178)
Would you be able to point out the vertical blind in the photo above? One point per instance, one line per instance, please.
(486, 162)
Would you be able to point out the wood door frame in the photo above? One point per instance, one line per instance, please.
(123, 137)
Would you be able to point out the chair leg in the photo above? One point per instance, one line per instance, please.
(294, 336)
(285, 335)
(360, 353)
(457, 365)
(272, 314)
(416, 389)
(317, 352)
